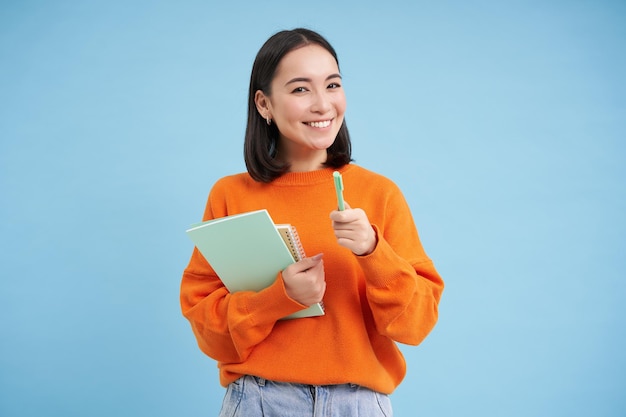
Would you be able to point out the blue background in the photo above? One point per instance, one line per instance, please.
(503, 123)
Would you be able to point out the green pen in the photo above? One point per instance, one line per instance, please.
(339, 190)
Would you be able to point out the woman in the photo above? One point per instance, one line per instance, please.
(376, 282)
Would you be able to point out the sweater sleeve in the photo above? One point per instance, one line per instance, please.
(402, 286)
(228, 326)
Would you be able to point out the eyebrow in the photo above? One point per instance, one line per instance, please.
(308, 80)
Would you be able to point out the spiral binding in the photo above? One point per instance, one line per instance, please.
(292, 239)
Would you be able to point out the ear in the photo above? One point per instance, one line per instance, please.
(263, 105)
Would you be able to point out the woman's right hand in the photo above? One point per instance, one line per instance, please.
(304, 280)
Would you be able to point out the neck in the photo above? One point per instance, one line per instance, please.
(309, 161)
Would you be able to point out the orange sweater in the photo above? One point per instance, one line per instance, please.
(372, 301)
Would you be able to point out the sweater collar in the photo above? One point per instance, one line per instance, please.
(310, 177)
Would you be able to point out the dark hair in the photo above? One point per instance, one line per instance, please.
(261, 139)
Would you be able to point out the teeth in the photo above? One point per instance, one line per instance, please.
(320, 124)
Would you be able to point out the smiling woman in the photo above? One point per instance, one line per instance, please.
(307, 104)
(294, 68)
(377, 284)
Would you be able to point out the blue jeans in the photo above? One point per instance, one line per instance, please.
(252, 396)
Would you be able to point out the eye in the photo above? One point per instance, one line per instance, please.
(299, 90)
(334, 85)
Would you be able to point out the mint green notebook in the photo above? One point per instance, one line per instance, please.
(246, 251)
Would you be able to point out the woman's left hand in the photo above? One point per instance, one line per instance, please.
(353, 230)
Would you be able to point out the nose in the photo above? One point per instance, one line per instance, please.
(321, 103)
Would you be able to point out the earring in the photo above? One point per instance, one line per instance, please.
(268, 120)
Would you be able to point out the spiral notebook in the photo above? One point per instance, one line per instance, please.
(247, 251)
(292, 240)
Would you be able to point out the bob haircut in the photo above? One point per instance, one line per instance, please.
(260, 144)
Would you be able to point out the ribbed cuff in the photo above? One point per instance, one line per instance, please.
(272, 303)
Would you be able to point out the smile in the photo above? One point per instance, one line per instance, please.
(323, 124)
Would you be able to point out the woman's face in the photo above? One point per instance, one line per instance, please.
(307, 104)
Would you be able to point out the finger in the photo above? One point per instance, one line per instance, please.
(344, 216)
(303, 265)
(311, 262)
